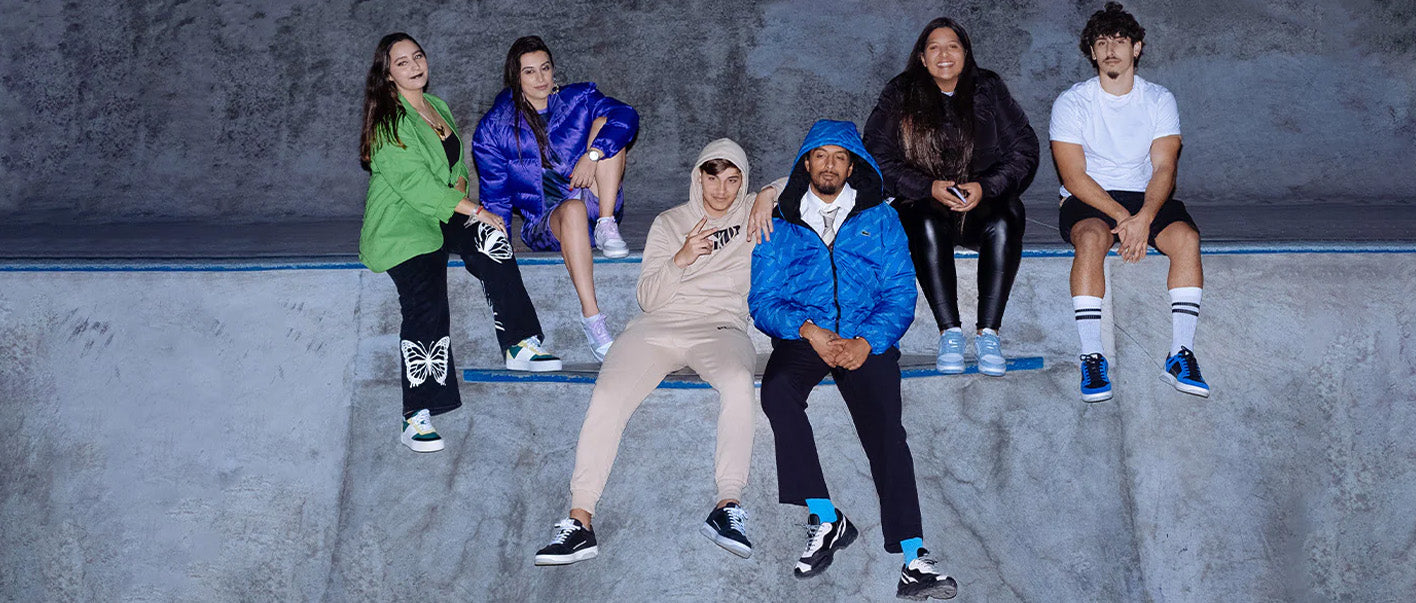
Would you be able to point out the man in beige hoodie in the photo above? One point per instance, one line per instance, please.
(693, 286)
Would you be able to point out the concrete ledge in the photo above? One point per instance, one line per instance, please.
(912, 366)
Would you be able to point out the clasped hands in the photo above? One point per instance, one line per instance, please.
(833, 349)
(1134, 232)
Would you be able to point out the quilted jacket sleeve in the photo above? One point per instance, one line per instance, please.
(1017, 141)
(895, 304)
(772, 310)
(621, 121)
(492, 170)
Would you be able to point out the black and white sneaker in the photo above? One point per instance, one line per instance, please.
(921, 580)
(572, 542)
(728, 528)
(823, 539)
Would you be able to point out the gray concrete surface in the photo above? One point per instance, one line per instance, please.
(221, 110)
(232, 436)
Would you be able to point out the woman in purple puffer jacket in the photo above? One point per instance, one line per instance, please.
(552, 153)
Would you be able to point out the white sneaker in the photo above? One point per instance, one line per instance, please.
(530, 356)
(597, 333)
(607, 238)
(419, 435)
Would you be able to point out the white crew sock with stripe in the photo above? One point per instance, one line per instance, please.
(1184, 315)
(1087, 310)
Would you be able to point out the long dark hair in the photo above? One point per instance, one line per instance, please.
(511, 76)
(381, 106)
(937, 130)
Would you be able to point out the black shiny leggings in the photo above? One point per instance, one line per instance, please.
(994, 228)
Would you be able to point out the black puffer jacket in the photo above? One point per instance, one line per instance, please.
(1005, 147)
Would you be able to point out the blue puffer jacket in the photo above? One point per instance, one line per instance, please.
(863, 285)
(509, 163)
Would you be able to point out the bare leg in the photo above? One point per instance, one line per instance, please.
(1092, 238)
(609, 172)
(571, 227)
(582, 516)
(1181, 244)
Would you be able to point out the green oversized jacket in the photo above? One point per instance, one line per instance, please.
(410, 192)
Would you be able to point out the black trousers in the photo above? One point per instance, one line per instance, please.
(429, 373)
(994, 229)
(872, 394)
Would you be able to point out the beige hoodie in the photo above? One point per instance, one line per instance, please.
(713, 289)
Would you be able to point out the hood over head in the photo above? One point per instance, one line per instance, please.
(722, 148)
(865, 174)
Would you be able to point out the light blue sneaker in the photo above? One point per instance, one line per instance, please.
(950, 360)
(990, 354)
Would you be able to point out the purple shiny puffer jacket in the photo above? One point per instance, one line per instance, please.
(509, 173)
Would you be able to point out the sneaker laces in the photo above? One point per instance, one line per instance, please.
(533, 343)
(564, 528)
(1091, 367)
(1189, 365)
(598, 330)
(737, 518)
(421, 422)
(988, 345)
(926, 564)
(606, 231)
(953, 344)
(815, 536)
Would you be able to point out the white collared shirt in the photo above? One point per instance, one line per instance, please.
(811, 207)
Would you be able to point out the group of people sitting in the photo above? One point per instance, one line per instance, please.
(824, 260)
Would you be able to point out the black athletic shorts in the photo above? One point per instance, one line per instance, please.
(1074, 210)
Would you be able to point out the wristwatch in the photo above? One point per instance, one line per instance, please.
(595, 154)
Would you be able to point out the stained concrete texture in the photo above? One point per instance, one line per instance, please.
(232, 436)
(250, 110)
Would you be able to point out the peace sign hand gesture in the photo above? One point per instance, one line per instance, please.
(697, 244)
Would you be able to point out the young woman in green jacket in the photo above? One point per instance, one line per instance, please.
(417, 212)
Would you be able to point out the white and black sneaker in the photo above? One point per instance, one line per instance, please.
(920, 580)
(728, 528)
(823, 539)
(572, 542)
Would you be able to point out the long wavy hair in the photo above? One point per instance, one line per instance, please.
(381, 107)
(937, 130)
(511, 76)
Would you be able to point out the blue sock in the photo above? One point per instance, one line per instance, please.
(911, 548)
(822, 507)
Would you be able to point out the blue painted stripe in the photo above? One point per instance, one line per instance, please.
(272, 265)
(1028, 363)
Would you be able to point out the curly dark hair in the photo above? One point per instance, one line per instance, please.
(1109, 22)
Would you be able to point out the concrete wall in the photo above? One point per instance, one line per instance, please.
(231, 436)
(249, 110)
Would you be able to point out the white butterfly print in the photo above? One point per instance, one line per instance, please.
(493, 243)
(419, 362)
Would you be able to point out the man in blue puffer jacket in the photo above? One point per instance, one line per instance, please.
(835, 289)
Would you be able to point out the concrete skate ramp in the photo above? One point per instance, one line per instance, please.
(218, 435)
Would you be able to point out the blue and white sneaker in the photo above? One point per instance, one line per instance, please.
(1183, 371)
(950, 360)
(990, 354)
(1096, 386)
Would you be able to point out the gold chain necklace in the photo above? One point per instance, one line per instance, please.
(440, 130)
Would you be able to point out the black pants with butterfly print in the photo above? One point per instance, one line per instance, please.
(429, 373)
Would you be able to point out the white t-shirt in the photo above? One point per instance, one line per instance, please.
(1115, 131)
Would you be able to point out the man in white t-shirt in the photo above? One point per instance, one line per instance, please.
(1116, 141)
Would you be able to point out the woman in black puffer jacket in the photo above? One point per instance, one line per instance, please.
(956, 152)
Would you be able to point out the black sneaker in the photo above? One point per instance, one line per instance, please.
(823, 539)
(921, 580)
(572, 542)
(728, 528)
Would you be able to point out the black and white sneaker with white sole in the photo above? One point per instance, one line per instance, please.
(823, 539)
(572, 542)
(728, 528)
(921, 579)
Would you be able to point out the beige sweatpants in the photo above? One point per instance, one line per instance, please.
(641, 357)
